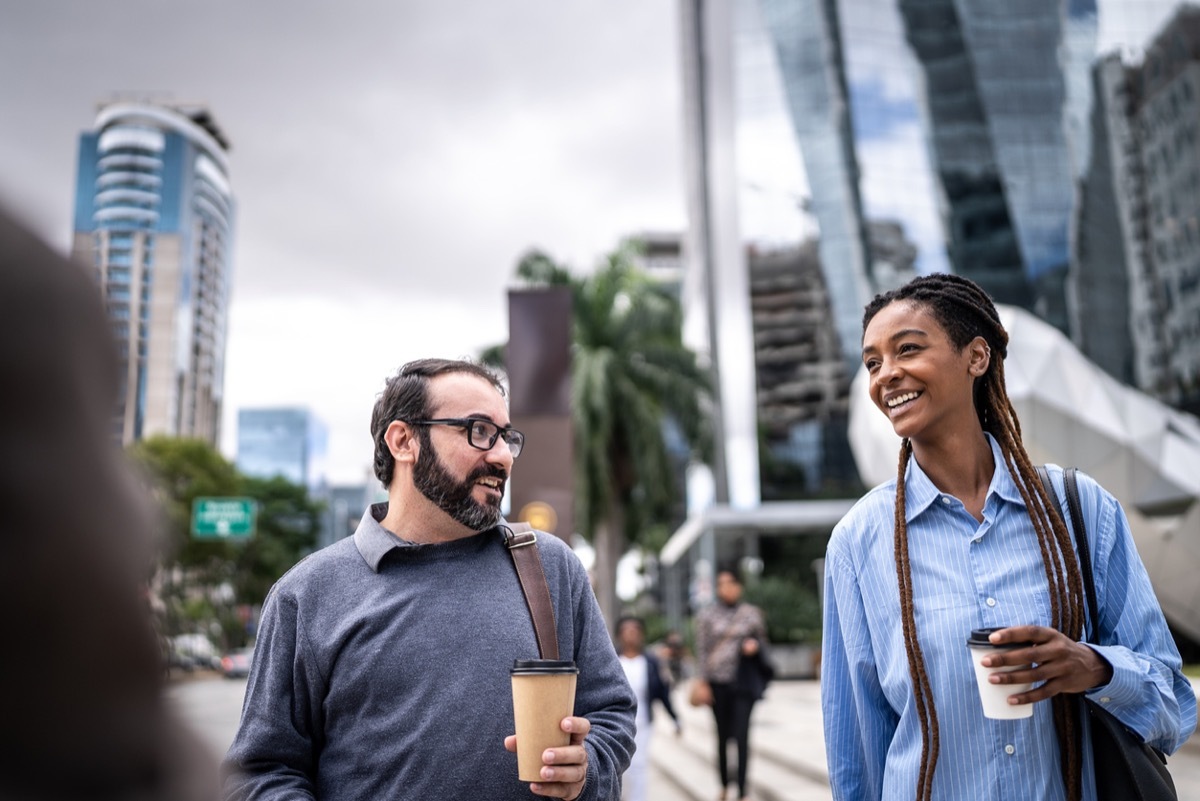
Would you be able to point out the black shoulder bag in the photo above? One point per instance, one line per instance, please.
(1127, 769)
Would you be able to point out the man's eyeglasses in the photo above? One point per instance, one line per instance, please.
(481, 434)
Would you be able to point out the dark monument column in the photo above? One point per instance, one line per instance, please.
(539, 381)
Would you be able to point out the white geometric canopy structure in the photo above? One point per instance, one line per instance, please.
(1073, 413)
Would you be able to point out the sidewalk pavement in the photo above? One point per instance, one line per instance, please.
(787, 749)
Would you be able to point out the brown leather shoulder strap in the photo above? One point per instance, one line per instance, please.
(521, 541)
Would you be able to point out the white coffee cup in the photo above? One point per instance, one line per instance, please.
(995, 696)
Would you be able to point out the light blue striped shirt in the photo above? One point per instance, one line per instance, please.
(968, 575)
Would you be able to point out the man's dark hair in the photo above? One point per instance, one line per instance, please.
(621, 621)
(406, 397)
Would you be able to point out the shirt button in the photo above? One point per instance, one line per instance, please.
(946, 499)
(1105, 699)
(991, 601)
(1008, 749)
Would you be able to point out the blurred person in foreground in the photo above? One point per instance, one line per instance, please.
(381, 669)
(731, 641)
(965, 538)
(82, 707)
(646, 676)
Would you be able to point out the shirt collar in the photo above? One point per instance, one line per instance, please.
(920, 493)
(373, 541)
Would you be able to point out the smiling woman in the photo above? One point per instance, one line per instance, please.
(918, 376)
(967, 537)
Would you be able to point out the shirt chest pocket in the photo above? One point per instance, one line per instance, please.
(944, 617)
(1006, 604)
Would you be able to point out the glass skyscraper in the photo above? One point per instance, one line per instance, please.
(154, 216)
(837, 147)
(901, 136)
(1139, 224)
(286, 441)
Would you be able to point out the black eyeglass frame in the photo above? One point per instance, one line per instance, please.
(468, 424)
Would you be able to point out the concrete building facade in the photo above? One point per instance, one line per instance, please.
(1168, 116)
(1135, 284)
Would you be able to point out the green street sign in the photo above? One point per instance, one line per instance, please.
(224, 518)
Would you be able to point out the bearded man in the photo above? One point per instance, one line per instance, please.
(381, 668)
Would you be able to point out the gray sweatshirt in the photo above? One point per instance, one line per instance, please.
(381, 671)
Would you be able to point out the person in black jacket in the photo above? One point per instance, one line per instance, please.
(645, 675)
(731, 640)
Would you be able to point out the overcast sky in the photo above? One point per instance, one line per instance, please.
(391, 161)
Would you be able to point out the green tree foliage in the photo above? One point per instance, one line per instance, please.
(630, 373)
(792, 610)
(206, 580)
(788, 588)
(179, 471)
(287, 530)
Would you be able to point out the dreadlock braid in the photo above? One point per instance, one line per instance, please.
(965, 311)
(922, 685)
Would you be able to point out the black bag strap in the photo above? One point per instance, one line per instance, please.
(521, 541)
(1076, 525)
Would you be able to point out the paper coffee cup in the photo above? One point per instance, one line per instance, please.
(995, 696)
(543, 694)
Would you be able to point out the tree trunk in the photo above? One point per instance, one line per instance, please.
(610, 546)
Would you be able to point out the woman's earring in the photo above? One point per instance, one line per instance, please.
(982, 368)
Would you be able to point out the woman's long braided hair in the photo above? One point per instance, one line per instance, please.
(965, 311)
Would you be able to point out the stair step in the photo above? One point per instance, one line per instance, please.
(778, 770)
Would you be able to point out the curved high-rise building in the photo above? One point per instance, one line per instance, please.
(154, 215)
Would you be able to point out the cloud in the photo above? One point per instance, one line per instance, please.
(333, 356)
(391, 161)
(1131, 26)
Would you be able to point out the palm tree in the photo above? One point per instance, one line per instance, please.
(630, 374)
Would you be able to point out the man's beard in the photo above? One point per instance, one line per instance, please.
(453, 497)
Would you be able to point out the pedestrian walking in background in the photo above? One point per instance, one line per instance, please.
(646, 676)
(967, 538)
(731, 641)
(382, 665)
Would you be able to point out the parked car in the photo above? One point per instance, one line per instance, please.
(236, 664)
(189, 652)
(178, 661)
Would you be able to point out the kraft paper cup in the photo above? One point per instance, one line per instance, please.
(543, 694)
(995, 696)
